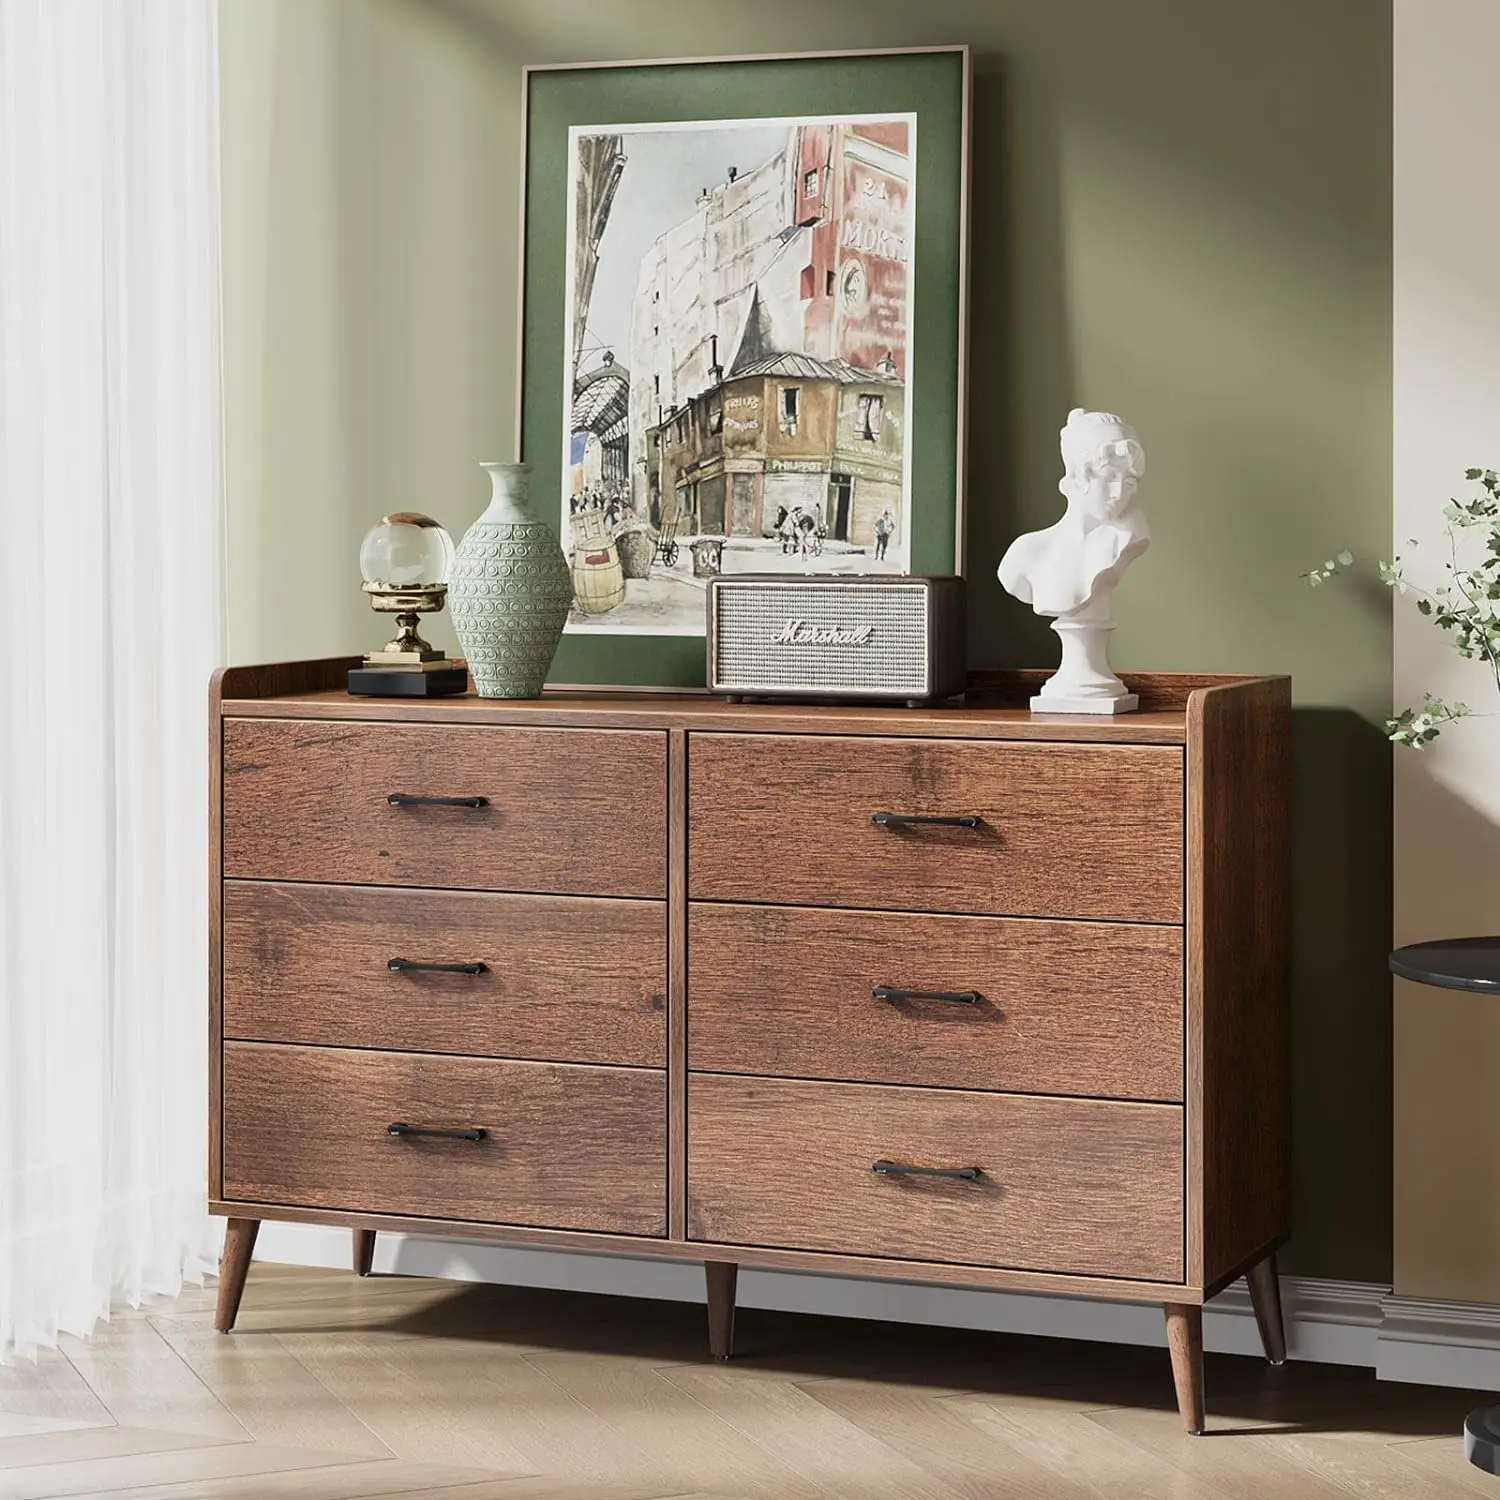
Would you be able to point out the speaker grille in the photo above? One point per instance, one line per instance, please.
(753, 655)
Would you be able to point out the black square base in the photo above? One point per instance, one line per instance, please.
(374, 682)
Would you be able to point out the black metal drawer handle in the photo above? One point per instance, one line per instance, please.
(906, 820)
(410, 966)
(405, 799)
(950, 997)
(904, 1169)
(477, 1133)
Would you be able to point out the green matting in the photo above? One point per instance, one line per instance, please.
(929, 84)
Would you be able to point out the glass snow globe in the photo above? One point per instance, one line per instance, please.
(404, 562)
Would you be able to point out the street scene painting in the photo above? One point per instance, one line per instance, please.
(738, 336)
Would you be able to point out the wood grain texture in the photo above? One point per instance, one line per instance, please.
(1265, 1298)
(568, 812)
(1185, 1344)
(677, 983)
(721, 1278)
(1086, 1008)
(1077, 903)
(572, 1147)
(1084, 1186)
(984, 718)
(234, 1266)
(364, 1251)
(1211, 1289)
(1066, 831)
(764, 1257)
(1159, 692)
(329, 674)
(1238, 974)
(997, 706)
(567, 978)
(215, 933)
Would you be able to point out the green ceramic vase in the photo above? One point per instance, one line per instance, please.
(509, 591)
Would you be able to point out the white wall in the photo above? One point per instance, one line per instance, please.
(1447, 813)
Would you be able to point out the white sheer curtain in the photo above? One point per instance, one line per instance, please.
(109, 625)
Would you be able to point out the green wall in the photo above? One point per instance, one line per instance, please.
(1181, 212)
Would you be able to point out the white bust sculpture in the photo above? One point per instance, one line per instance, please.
(1070, 570)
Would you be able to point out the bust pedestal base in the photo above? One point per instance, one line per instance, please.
(1083, 683)
(1127, 703)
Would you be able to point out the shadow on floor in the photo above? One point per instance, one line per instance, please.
(1246, 1397)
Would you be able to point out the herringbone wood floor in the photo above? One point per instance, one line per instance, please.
(335, 1388)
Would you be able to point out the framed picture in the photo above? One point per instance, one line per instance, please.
(742, 332)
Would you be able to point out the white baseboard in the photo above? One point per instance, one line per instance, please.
(1330, 1322)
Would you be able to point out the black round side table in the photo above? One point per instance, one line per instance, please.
(1471, 964)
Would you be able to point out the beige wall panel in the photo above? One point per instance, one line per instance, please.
(1447, 803)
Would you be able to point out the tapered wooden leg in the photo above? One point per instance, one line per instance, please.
(364, 1251)
(1185, 1340)
(1265, 1298)
(239, 1246)
(721, 1276)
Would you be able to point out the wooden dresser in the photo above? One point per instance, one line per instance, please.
(959, 996)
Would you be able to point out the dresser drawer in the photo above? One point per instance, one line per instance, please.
(564, 1147)
(563, 811)
(1060, 831)
(1066, 1185)
(1091, 1008)
(562, 978)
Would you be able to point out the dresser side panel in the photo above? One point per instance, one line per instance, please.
(1238, 974)
(215, 934)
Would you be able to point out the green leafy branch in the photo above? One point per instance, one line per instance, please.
(1419, 727)
(1465, 605)
(1316, 576)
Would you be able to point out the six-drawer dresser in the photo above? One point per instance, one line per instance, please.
(962, 995)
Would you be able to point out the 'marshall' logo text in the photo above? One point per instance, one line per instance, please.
(805, 633)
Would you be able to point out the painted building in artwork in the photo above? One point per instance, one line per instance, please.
(854, 287)
(786, 433)
(769, 343)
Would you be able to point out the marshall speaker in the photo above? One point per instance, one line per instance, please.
(871, 636)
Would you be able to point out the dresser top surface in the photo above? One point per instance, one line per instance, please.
(650, 711)
(995, 708)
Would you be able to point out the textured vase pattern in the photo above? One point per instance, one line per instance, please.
(509, 593)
